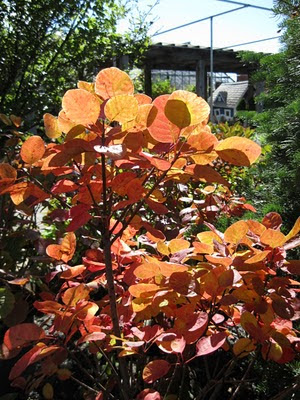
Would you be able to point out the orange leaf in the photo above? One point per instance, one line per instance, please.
(7, 172)
(73, 295)
(260, 256)
(235, 233)
(22, 334)
(256, 227)
(167, 269)
(273, 238)
(72, 272)
(238, 151)
(143, 289)
(162, 129)
(205, 173)
(17, 121)
(51, 126)
(121, 108)
(81, 107)
(155, 370)
(26, 192)
(143, 99)
(112, 82)
(185, 108)
(32, 149)
(147, 270)
(65, 250)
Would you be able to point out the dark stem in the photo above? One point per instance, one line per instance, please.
(110, 283)
(243, 379)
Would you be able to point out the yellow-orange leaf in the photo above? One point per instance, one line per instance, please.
(238, 151)
(176, 245)
(81, 106)
(243, 347)
(112, 82)
(185, 108)
(273, 238)
(294, 231)
(64, 124)
(88, 86)
(236, 232)
(248, 319)
(32, 149)
(121, 108)
(51, 126)
(208, 237)
(163, 248)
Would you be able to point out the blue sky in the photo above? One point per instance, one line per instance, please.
(238, 27)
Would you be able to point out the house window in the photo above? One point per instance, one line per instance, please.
(227, 113)
(217, 112)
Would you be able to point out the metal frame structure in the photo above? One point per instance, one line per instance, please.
(211, 17)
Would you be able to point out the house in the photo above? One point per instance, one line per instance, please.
(227, 97)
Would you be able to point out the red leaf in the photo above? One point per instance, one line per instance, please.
(210, 344)
(90, 337)
(64, 186)
(22, 334)
(27, 359)
(80, 217)
(149, 394)
(155, 370)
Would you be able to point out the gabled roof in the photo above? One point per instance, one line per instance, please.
(235, 91)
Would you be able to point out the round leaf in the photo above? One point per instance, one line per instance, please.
(155, 370)
(51, 126)
(32, 149)
(121, 108)
(185, 108)
(81, 107)
(238, 151)
(112, 82)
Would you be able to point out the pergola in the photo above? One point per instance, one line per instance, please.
(192, 58)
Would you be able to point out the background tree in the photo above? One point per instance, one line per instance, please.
(41, 40)
(279, 124)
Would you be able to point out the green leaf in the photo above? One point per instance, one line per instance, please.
(7, 301)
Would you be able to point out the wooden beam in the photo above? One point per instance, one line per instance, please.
(201, 79)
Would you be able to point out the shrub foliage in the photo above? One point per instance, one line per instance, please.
(128, 300)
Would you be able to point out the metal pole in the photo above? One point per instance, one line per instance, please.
(211, 67)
